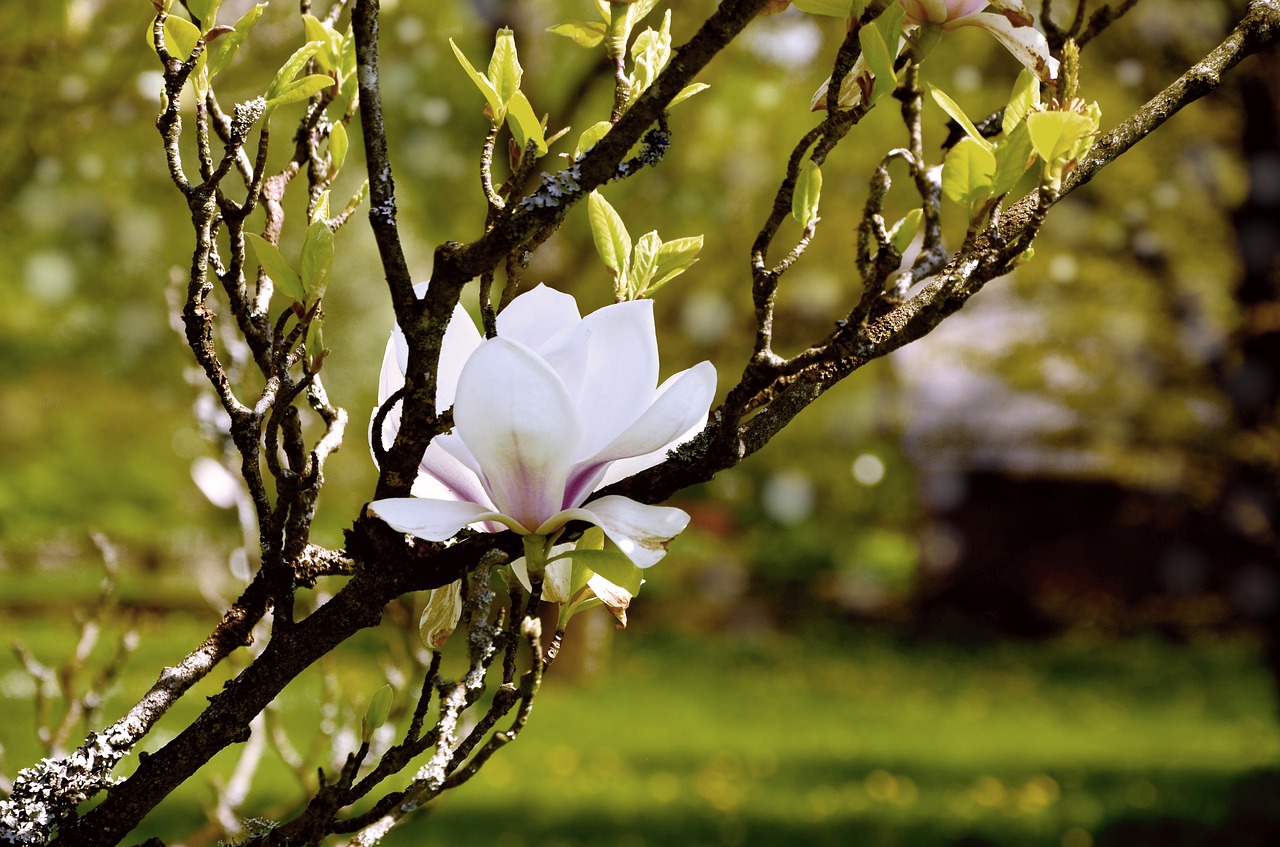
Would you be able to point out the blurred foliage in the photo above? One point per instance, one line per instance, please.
(1114, 320)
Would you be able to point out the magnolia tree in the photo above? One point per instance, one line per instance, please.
(522, 459)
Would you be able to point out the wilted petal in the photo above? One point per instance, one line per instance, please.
(615, 598)
(435, 520)
(1026, 43)
(853, 88)
(537, 315)
(1015, 11)
(640, 531)
(441, 614)
(513, 414)
(557, 581)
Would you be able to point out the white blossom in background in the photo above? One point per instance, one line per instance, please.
(1010, 24)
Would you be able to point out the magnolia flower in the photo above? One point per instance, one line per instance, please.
(553, 408)
(1011, 25)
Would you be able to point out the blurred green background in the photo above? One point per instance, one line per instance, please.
(1015, 585)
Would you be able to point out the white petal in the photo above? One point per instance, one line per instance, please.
(536, 315)
(452, 471)
(641, 532)
(461, 338)
(435, 520)
(1026, 43)
(621, 372)
(514, 415)
(678, 412)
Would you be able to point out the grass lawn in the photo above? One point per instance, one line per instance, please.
(850, 738)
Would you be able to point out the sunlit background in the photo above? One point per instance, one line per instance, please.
(1011, 586)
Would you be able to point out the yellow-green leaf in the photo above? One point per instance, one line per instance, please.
(291, 68)
(299, 90)
(504, 66)
(583, 33)
(967, 174)
(337, 148)
(609, 233)
(497, 109)
(276, 267)
(674, 258)
(591, 137)
(1054, 134)
(905, 230)
(223, 48)
(524, 124)
(377, 713)
(1025, 98)
(957, 114)
(807, 194)
(317, 259)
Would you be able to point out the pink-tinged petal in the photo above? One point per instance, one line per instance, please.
(435, 520)
(514, 416)
(450, 464)
(641, 532)
(537, 315)
(963, 8)
(1026, 43)
(678, 411)
(926, 11)
(621, 372)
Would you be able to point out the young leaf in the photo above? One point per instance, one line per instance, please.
(321, 211)
(674, 258)
(830, 8)
(299, 90)
(1013, 156)
(807, 194)
(650, 54)
(496, 104)
(1054, 134)
(905, 230)
(524, 124)
(591, 137)
(957, 114)
(504, 66)
(879, 60)
(377, 713)
(337, 148)
(688, 91)
(317, 259)
(206, 11)
(276, 267)
(613, 243)
(583, 33)
(1025, 98)
(967, 174)
(614, 566)
(291, 68)
(315, 341)
(644, 258)
(223, 49)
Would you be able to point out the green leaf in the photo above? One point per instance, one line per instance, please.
(497, 109)
(674, 258)
(583, 33)
(1025, 98)
(807, 194)
(223, 48)
(524, 124)
(905, 230)
(206, 11)
(1013, 157)
(321, 211)
(650, 54)
(688, 91)
(876, 52)
(317, 259)
(328, 57)
(613, 565)
(613, 243)
(180, 37)
(890, 25)
(299, 90)
(967, 174)
(957, 114)
(337, 148)
(1054, 134)
(644, 259)
(830, 8)
(291, 68)
(276, 267)
(315, 340)
(378, 712)
(504, 66)
(591, 137)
